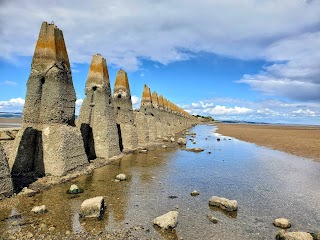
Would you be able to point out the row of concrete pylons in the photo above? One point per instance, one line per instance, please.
(50, 143)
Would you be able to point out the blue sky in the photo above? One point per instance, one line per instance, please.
(252, 60)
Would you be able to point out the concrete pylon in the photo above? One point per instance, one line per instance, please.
(157, 115)
(49, 142)
(124, 113)
(6, 186)
(97, 118)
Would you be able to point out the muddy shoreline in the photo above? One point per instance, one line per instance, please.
(301, 141)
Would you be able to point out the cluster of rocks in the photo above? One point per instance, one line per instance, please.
(50, 142)
(284, 224)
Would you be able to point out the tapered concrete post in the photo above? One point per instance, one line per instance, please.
(124, 113)
(97, 118)
(49, 142)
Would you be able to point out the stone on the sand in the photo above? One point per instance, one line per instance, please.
(28, 192)
(194, 193)
(283, 235)
(143, 151)
(167, 220)
(172, 139)
(224, 203)
(164, 146)
(39, 209)
(165, 139)
(121, 177)
(92, 208)
(194, 149)
(74, 189)
(182, 141)
(282, 223)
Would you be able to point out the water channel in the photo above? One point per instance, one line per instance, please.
(267, 184)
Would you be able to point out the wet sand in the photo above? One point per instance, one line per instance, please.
(302, 141)
(10, 122)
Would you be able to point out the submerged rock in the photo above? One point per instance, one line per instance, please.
(182, 141)
(212, 219)
(283, 235)
(224, 203)
(121, 177)
(39, 209)
(167, 220)
(282, 223)
(194, 149)
(92, 208)
(194, 193)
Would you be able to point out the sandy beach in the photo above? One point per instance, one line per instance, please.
(302, 141)
(10, 122)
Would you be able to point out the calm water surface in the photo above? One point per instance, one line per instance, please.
(267, 184)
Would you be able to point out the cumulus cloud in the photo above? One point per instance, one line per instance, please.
(269, 110)
(296, 71)
(13, 105)
(135, 102)
(126, 31)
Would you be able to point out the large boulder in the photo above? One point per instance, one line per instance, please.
(92, 208)
(167, 220)
(224, 203)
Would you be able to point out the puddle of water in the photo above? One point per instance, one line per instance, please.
(267, 184)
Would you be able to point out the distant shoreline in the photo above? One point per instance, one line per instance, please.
(299, 140)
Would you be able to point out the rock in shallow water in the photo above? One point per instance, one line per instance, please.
(167, 220)
(182, 141)
(194, 193)
(224, 203)
(283, 235)
(194, 150)
(282, 223)
(92, 207)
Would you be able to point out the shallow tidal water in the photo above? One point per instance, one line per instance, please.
(267, 184)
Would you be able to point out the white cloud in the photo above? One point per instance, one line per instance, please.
(79, 102)
(126, 31)
(296, 73)
(223, 110)
(13, 105)
(269, 110)
(8, 83)
(135, 102)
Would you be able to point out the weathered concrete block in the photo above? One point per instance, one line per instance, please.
(6, 186)
(92, 208)
(62, 149)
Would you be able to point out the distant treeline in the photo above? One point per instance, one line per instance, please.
(204, 118)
